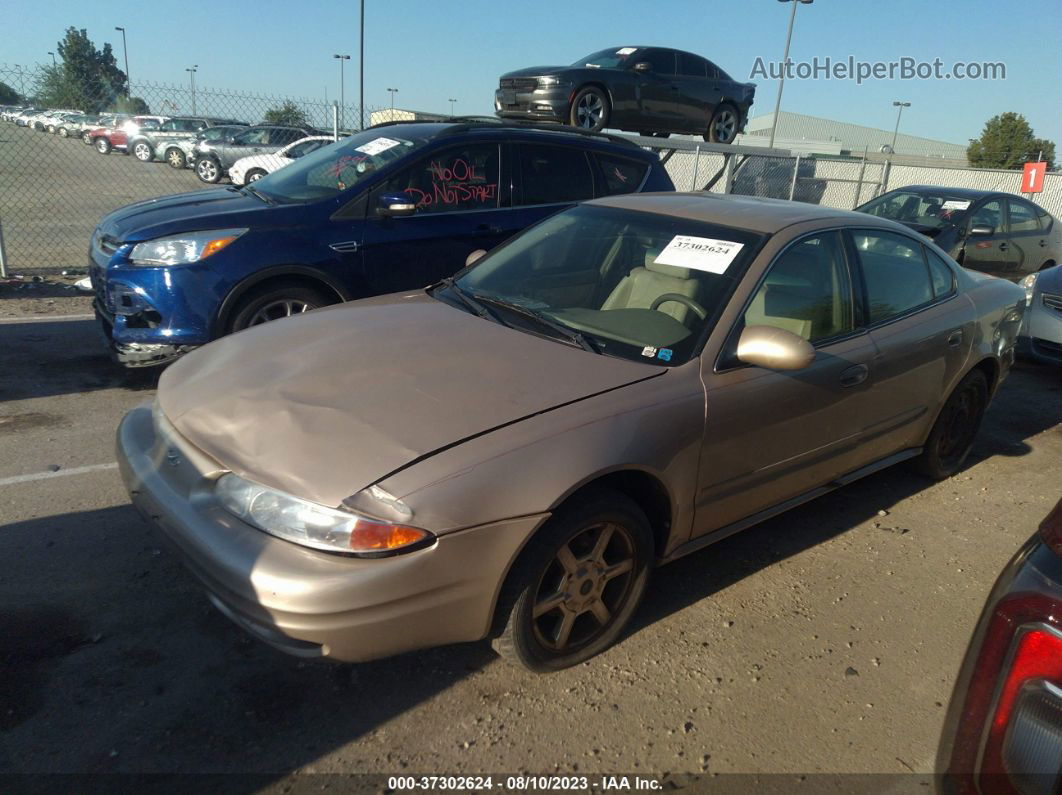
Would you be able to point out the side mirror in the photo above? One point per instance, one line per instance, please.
(395, 205)
(774, 348)
(982, 230)
(643, 66)
(472, 258)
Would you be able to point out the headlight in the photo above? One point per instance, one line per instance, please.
(1029, 283)
(183, 249)
(312, 525)
(550, 82)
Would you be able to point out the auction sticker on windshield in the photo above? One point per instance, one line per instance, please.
(955, 204)
(699, 253)
(378, 145)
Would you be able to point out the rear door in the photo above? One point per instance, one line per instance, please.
(698, 92)
(923, 330)
(1028, 240)
(989, 253)
(462, 205)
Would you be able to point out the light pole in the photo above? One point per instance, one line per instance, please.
(785, 60)
(901, 106)
(452, 102)
(342, 88)
(53, 57)
(125, 54)
(392, 92)
(191, 76)
(361, 69)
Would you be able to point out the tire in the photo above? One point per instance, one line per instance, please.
(254, 175)
(590, 110)
(64, 133)
(724, 125)
(274, 301)
(143, 152)
(573, 629)
(953, 433)
(86, 138)
(103, 146)
(175, 157)
(208, 170)
(51, 129)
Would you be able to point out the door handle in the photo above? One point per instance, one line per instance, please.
(1003, 246)
(955, 339)
(855, 375)
(1043, 243)
(488, 229)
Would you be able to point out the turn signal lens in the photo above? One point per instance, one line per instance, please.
(370, 537)
(214, 246)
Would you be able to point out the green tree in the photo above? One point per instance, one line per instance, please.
(87, 78)
(288, 113)
(8, 95)
(133, 105)
(1007, 141)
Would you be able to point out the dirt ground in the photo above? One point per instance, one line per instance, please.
(823, 641)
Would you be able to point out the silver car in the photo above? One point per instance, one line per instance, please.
(1041, 329)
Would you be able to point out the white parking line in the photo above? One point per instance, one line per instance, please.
(59, 473)
(44, 318)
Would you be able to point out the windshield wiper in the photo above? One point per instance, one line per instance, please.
(571, 335)
(472, 303)
(258, 194)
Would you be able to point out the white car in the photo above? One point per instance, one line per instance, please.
(254, 167)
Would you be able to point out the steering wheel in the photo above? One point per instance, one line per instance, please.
(685, 300)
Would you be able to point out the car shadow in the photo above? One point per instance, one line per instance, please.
(46, 358)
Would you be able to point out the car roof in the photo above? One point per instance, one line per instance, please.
(753, 213)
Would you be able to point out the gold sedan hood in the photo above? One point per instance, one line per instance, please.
(325, 404)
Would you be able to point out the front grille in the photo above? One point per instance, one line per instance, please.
(519, 83)
(1053, 301)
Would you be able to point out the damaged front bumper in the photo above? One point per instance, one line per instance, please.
(136, 354)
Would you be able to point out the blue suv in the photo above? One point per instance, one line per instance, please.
(395, 207)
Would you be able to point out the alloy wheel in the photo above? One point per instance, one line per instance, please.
(724, 127)
(175, 158)
(588, 111)
(584, 587)
(208, 170)
(142, 152)
(278, 309)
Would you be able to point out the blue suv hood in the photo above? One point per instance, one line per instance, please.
(215, 208)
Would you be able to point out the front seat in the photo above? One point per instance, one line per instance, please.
(642, 286)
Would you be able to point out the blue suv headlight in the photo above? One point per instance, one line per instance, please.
(183, 249)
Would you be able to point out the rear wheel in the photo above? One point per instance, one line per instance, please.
(955, 429)
(577, 583)
(723, 126)
(175, 157)
(590, 110)
(273, 302)
(208, 170)
(143, 152)
(64, 133)
(103, 146)
(254, 175)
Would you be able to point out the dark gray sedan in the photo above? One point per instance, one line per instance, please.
(649, 90)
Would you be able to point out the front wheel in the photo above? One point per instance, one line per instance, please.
(175, 157)
(274, 303)
(143, 152)
(208, 170)
(955, 429)
(590, 110)
(86, 139)
(103, 146)
(64, 133)
(254, 175)
(723, 126)
(577, 584)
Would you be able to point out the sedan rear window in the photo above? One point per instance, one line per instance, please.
(640, 286)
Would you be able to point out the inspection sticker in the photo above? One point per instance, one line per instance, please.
(955, 204)
(699, 253)
(378, 145)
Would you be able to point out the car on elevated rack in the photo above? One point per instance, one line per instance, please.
(397, 206)
(990, 231)
(254, 167)
(650, 90)
(146, 143)
(509, 453)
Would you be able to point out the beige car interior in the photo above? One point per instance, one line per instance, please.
(644, 284)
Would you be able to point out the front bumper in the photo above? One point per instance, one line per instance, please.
(540, 104)
(303, 601)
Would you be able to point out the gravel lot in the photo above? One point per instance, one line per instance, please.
(825, 640)
(53, 192)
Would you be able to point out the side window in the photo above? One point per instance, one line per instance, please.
(895, 272)
(552, 174)
(989, 214)
(253, 137)
(1022, 217)
(621, 175)
(692, 66)
(942, 274)
(714, 73)
(663, 61)
(807, 291)
(169, 126)
(463, 178)
(1045, 218)
(304, 148)
(281, 137)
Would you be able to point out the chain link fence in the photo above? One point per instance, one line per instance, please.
(55, 186)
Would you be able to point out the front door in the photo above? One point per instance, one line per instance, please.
(461, 206)
(989, 253)
(657, 90)
(773, 435)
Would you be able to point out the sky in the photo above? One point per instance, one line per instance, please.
(432, 50)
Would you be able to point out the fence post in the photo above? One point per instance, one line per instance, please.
(792, 185)
(3, 252)
(728, 172)
(696, 165)
(862, 173)
(885, 176)
(335, 121)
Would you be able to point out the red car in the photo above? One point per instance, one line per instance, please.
(107, 138)
(1003, 730)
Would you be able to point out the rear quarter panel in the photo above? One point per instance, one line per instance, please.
(999, 306)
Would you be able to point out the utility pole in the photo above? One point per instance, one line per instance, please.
(896, 130)
(785, 60)
(452, 103)
(361, 68)
(53, 58)
(392, 92)
(191, 76)
(125, 53)
(342, 87)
